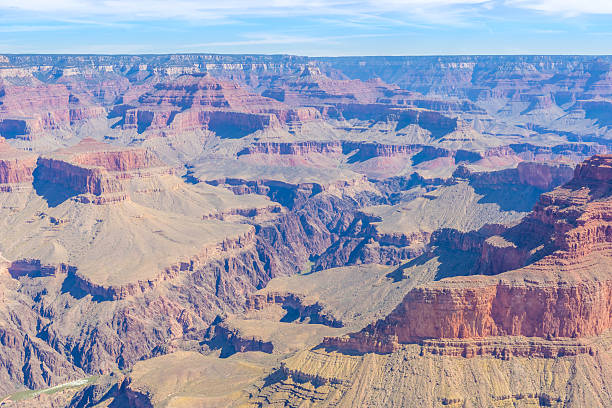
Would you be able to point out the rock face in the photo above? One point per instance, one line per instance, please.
(95, 168)
(540, 175)
(15, 166)
(310, 86)
(565, 293)
(201, 101)
(26, 111)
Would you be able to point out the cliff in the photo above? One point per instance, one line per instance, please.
(563, 291)
(15, 166)
(541, 175)
(92, 167)
(26, 111)
(199, 101)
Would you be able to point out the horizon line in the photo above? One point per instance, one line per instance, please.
(52, 54)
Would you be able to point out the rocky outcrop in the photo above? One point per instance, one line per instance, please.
(95, 168)
(230, 341)
(117, 389)
(26, 360)
(435, 122)
(299, 308)
(288, 194)
(208, 255)
(202, 102)
(15, 166)
(543, 176)
(360, 151)
(26, 111)
(311, 86)
(597, 110)
(361, 243)
(563, 293)
(243, 212)
(289, 148)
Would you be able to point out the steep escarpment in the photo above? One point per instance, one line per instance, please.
(201, 101)
(160, 305)
(420, 216)
(541, 175)
(95, 168)
(562, 292)
(15, 166)
(26, 111)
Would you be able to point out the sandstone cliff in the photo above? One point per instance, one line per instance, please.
(564, 290)
(91, 167)
(15, 166)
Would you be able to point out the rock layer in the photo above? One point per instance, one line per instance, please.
(15, 166)
(564, 294)
(95, 168)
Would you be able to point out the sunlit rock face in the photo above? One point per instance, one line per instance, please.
(550, 277)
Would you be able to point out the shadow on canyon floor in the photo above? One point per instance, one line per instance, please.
(49, 192)
(510, 197)
(451, 263)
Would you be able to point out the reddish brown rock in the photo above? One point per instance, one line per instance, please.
(565, 294)
(28, 110)
(93, 167)
(311, 86)
(541, 175)
(201, 101)
(15, 166)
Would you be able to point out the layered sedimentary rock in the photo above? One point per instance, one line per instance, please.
(92, 167)
(311, 86)
(201, 101)
(26, 111)
(15, 166)
(541, 175)
(94, 288)
(563, 292)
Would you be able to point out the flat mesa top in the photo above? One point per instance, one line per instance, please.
(9, 152)
(89, 145)
(92, 153)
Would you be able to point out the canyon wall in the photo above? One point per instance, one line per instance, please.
(565, 294)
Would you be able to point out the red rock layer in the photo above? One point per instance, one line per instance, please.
(27, 110)
(567, 293)
(541, 175)
(310, 86)
(15, 166)
(518, 347)
(201, 101)
(437, 123)
(93, 167)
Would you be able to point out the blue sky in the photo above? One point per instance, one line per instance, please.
(307, 27)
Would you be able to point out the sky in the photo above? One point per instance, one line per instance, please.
(307, 27)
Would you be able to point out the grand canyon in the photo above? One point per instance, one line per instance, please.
(207, 230)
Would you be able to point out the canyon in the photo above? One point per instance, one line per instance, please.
(275, 230)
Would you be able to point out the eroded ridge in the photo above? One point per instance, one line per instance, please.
(96, 168)
(564, 293)
(15, 166)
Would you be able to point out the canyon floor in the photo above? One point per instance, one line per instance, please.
(250, 231)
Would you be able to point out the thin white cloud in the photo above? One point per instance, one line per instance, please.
(565, 7)
(268, 39)
(214, 10)
(31, 28)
